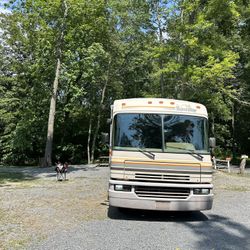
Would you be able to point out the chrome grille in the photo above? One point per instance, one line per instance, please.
(162, 192)
(162, 177)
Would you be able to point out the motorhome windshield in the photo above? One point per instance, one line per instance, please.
(160, 133)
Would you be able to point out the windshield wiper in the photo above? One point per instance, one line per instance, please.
(197, 154)
(147, 153)
(189, 151)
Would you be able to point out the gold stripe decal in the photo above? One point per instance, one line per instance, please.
(159, 163)
(173, 164)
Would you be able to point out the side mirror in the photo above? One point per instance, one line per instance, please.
(212, 142)
(105, 138)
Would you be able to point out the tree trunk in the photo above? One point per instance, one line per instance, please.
(242, 166)
(89, 137)
(178, 86)
(161, 67)
(49, 142)
(233, 131)
(50, 133)
(160, 59)
(99, 115)
(98, 122)
(94, 137)
(212, 124)
(158, 21)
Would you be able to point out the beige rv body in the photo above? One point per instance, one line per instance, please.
(166, 182)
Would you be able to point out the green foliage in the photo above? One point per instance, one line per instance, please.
(192, 50)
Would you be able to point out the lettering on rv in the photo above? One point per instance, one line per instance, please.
(185, 107)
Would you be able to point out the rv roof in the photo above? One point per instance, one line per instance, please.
(159, 105)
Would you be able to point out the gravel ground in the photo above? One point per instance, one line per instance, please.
(36, 206)
(41, 213)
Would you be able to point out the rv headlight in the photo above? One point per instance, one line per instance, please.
(201, 191)
(119, 187)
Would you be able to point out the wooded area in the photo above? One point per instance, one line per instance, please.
(70, 59)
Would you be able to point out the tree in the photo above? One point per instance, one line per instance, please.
(59, 51)
(97, 51)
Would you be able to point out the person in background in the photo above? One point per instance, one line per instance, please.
(59, 167)
(65, 166)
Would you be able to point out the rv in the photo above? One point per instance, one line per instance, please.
(160, 155)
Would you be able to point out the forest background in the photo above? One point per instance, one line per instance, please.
(68, 60)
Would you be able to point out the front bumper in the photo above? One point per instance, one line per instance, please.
(131, 200)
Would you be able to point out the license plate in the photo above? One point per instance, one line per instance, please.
(162, 205)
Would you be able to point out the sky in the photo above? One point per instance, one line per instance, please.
(2, 9)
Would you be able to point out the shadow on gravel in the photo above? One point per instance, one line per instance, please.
(6, 177)
(220, 232)
(147, 215)
(18, 174)
(212, 231)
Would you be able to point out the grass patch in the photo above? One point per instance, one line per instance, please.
(232, 181)
(11, 177)
(237, 175)
(246, 175)
(2, 214)
(237, 188)
(18, 243)
(15, 178)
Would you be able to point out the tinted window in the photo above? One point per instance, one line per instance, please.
(179, 133)
(138, 130)
(185, 132)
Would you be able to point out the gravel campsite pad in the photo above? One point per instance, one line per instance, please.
(38, 212)
(34, 205)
